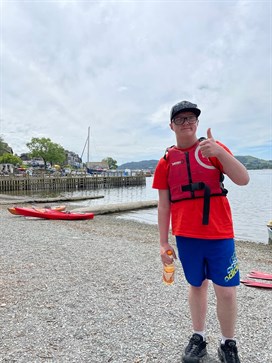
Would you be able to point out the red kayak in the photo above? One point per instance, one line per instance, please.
(260, 275)
(59, 208)
(252, 283)
(52, 214)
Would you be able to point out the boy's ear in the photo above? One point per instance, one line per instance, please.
(171, 125)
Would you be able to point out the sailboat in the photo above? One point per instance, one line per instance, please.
(94, 167)
(87, 142)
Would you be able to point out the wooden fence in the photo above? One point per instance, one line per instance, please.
(71, 182)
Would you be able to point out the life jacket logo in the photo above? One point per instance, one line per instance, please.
(177, 162)
(203, 161)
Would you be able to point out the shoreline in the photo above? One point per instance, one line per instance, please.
(91, 292)
(7, 199)
(109, 208)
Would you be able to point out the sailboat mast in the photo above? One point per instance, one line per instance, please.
(88, 156)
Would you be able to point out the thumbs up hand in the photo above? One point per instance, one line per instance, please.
(209, 133)
(209, 147)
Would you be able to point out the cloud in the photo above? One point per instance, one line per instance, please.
(119, 66)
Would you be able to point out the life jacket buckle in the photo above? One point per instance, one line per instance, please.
(192, 187)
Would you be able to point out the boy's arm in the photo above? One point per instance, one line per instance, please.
(164, 224)
(232, 167)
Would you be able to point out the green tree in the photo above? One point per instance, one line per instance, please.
(7, 158)
(47, 150)
(4, 148)
(111, 162)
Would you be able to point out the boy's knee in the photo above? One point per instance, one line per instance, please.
(226, 293)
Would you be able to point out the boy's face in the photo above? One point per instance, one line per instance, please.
(184, 123)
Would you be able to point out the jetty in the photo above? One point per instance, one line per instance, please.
(13, 183)
(117, 207)
(7, 199)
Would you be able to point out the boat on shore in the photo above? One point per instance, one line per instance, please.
(52, 214)
(59, 208)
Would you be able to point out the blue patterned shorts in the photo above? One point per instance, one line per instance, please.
(208, 259)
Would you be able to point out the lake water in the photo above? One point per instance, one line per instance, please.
(251, 204)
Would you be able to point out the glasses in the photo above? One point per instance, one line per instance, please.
(181, 120)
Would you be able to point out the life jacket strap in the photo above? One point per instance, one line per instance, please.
(192, 187)
(206, 205)
(166, 152)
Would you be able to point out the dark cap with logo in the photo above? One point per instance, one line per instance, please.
(184, 106)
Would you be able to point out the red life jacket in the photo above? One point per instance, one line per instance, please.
(193, 176)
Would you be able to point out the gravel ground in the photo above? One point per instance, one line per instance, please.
(91, 291)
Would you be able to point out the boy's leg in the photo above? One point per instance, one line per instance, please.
(198, 305)
(226, 309)
(227, 313)
(223, 270)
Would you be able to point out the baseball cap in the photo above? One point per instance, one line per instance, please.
(184, 106)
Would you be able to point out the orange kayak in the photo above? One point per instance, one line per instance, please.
(59, 208)
(52, 214)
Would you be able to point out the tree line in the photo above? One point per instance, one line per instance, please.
(53, 153)
(43, 148)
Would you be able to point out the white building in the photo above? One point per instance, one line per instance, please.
(6, 168)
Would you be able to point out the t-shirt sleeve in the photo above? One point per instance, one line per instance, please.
(160, 175)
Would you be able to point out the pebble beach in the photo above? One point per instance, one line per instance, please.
(92, 292)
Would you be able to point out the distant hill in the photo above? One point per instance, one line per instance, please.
(140, 165)
(250, 162)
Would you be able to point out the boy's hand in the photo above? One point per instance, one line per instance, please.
(166, 259)
(209, 147)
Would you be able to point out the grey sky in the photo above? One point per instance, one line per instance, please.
(119, 66)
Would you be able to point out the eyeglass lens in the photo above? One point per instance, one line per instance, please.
(182, 120)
